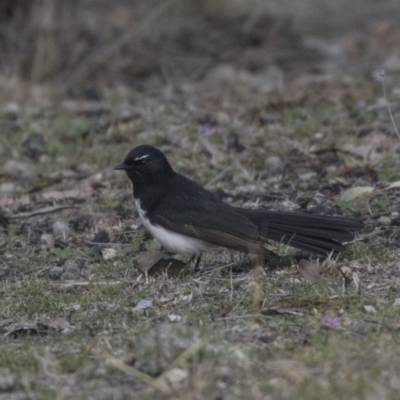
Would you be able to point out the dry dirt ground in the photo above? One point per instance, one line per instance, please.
(80, 320)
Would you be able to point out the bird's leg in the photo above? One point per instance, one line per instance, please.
(196, 258)
(197, 263)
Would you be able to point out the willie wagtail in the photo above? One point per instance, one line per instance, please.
(186, 218)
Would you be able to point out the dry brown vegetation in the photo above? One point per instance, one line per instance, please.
(277, 106)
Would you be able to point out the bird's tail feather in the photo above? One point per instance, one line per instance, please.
(315, 233)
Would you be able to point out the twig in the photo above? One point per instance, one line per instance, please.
(382, 75)
(243, 316)
(231, 280)
(183, 357)
(210, 148)
(115, 362)
(107, 244)
(218, 177)
(44, 210)
(72, 284)
(376, 232)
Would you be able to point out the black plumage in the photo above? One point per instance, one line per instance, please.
(172, 204)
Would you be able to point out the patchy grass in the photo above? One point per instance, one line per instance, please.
(77, 324)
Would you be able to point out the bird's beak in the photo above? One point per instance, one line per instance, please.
(122, 166)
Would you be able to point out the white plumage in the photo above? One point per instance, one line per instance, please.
(172, 241)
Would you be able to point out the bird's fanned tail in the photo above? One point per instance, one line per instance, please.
(315, 233)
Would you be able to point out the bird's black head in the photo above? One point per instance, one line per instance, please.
(145, 164)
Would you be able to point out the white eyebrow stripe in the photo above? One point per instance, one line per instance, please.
(140, 158)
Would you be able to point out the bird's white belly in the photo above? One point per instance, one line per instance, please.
(172, 241)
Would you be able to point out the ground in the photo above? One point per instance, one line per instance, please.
(89, 307)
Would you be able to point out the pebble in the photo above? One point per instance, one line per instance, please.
(108, 253)
(307, 175)
(61, 230)
(385, 221)
(73, 266)
(34, 145)
(223, 118)
(274, 165)
(19, 169)
(7, 188)
(46, 241)
(7, 381)
(265, 118)
(11, 108)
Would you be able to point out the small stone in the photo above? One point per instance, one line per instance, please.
(72, 266)
(396, 302)
(44, 159)
(7, 381)
(62, 325)
(274, 165)
(108, 253)
(11, 108)
(308, 175)
(61, 230)
(222, 118)
(175, 377)
(7, 187)
(143, 304)
(385, 221)
(370, 309)
(318, 136)
(19, 169)
(174, 317)
(265, 118)
(46, 241)
(34, 145)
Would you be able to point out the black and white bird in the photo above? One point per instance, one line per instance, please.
(186, 218)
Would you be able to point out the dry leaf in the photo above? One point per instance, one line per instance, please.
(108, 253)
(396, 301)
(277, 311)
(143, 304)
(362, 150)
(38, 328)
(67, 194)
(61, 230)
(145, 261)
(370, 309)
(347, 275)
(62, 325)
(355, 193)
(154, 264)
(394, 185)
(310, 270)
(173, 378)
(174, 317)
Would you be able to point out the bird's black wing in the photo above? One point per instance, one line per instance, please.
(193, 211)
(216, 225)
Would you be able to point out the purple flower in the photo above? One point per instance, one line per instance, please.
(211, 130)
(361, 103)
(331, 323)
